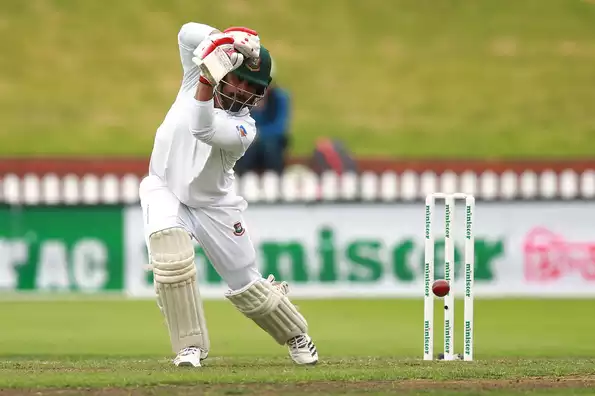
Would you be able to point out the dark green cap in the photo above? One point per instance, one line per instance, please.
(257, 70)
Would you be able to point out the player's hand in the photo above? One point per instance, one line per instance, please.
(216, 56)
(246, 40)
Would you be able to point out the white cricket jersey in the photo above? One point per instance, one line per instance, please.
(197, 145)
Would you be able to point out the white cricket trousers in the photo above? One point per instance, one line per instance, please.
(219, 231)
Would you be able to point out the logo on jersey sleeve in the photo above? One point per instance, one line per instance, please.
(238, 229)
(243, 132)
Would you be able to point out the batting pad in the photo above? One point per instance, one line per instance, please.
(268, 306)
(172, 259)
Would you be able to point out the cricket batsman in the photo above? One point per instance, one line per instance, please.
(188, 194)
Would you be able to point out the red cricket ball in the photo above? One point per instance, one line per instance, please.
(440, 287)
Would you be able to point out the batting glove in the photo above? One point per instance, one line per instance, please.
(246, 41)
(216, 56)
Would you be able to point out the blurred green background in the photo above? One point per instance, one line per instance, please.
(408, 78)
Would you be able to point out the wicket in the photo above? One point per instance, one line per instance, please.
(449, 272)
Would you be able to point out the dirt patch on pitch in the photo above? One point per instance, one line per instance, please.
(315, 388)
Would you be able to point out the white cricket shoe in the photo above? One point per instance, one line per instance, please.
(188, 357)
(302, 350)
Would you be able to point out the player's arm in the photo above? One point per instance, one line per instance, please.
(223, 132)
(216, 56)
(189, 37)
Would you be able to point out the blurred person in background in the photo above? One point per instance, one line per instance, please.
(272, 116)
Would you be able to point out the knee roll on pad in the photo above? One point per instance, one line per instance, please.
(268, 306)
(178, 297)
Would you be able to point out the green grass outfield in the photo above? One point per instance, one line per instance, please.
(115, 347)
(408, 78)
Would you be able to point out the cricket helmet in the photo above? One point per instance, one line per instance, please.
(257, 72)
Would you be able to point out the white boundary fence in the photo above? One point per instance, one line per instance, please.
(306, 186)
